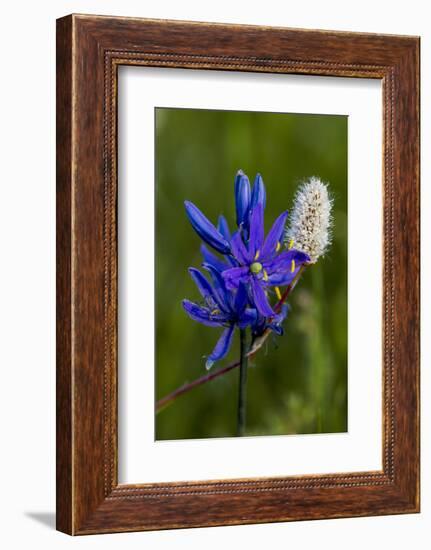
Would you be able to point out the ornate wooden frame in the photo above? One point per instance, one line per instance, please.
(89, 51)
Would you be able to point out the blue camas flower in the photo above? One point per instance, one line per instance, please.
(243, 268)
(220, 308)
(260, 265)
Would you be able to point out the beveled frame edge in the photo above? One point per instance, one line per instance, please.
(89, 51)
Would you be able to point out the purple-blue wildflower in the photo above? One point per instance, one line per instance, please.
(220, 308)
(259, 263)
(249, 264)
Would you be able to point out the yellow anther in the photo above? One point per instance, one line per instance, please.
(292, 267)
(277, 248)
(278, 293)
(257, 255)
(215, 311)
(290, 244)
(265, 275)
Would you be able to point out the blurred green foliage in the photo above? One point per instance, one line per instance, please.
(298, 383)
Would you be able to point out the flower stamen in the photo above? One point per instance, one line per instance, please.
(292, 267)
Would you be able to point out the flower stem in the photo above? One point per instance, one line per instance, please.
(242, 389)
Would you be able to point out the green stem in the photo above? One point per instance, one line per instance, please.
(242, 392)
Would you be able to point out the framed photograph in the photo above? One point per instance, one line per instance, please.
(237, 274)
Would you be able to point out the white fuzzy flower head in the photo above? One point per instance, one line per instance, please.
(311, 220)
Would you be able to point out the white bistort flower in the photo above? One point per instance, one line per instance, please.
(311, 220)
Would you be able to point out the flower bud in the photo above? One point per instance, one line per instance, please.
(242, 198)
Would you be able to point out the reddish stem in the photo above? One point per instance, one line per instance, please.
(161, 403)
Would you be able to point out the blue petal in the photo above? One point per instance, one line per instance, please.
(205, 229)
(221, 348)
(203, 315)
(282, 279)
(220, 290)
(277, 320)
(279, 270)
(280, 317)
(242, 197)
(282, 264)
(212, 259)
(260, 299)
(241, 299)
(278, 329)
(283, 261)
(223, 227)
(273, 238)
(203, 285)
(256, 230)
(258, 195)
(213, 298)
(238, 249)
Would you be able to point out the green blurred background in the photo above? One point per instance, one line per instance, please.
(298, 383)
